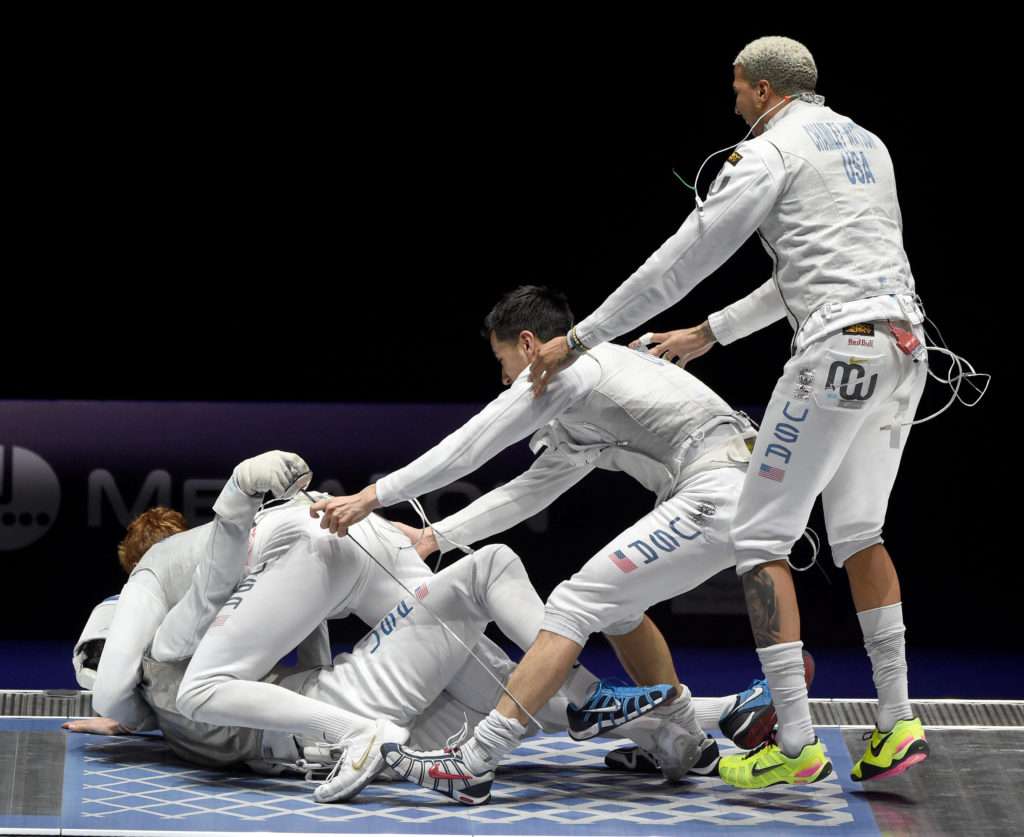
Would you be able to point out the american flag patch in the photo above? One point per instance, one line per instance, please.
(421, 592)
(771, 473)
(220, 620)
(622, 562)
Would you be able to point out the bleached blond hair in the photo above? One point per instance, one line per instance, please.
(787, 65)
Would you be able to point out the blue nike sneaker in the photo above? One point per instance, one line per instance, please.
(751, 718)
(613, 704)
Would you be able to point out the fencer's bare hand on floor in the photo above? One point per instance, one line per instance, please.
(96, 726)
(423, 540)
(682, 345)
(552, 358)
(341, 512)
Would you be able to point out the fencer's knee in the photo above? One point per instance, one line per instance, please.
(568, 614)
(491, 562)
(565, 625)
(623, 626)
(496, 557)
(193, 693)
(843, 552)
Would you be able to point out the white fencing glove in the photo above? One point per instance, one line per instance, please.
(281, 473)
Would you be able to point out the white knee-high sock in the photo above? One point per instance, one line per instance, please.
(884, 641)
(783, 666)
(709, 711)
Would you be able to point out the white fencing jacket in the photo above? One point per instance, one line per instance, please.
(615, 408)
(821, 194)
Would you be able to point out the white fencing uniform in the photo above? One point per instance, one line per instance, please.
(407, 669)
(672, 549)
(619, 410)
(157, 583)
(300, 575)
(821, 193)
(406, 666)
(822, 434)
(470, 694)
(404, 663)
(189, 578)
(857, 471)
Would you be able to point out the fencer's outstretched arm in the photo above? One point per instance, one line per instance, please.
(511, 416)
(746, 192)
(757, 310)
(550, 476)
(740, 199)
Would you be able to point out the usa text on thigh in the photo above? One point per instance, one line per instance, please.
(830, 395)
(402, 665)
(674, 548)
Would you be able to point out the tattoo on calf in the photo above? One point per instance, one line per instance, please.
(762, 606)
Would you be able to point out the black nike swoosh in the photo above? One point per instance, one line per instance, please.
(758, 772)
(877, 752)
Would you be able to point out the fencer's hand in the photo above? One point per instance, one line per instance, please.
(279, 472)
(551, 358)
(683, 345)
(338, 513)
(423, 540)
(96, 726)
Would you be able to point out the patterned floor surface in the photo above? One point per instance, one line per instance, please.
(134, 785)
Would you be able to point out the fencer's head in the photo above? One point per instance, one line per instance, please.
(148, 528)
(522, 320)
(769, 69)
(86, 656)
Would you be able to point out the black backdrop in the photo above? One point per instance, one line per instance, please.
(325, 210)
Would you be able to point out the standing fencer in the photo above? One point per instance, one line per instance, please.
(820, 191)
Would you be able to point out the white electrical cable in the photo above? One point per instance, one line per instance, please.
(952, 380)
(812, 98)
(812, 538)
(418, 508)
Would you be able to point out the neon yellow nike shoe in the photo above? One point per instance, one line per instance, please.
(768, 765)
(890, 753)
